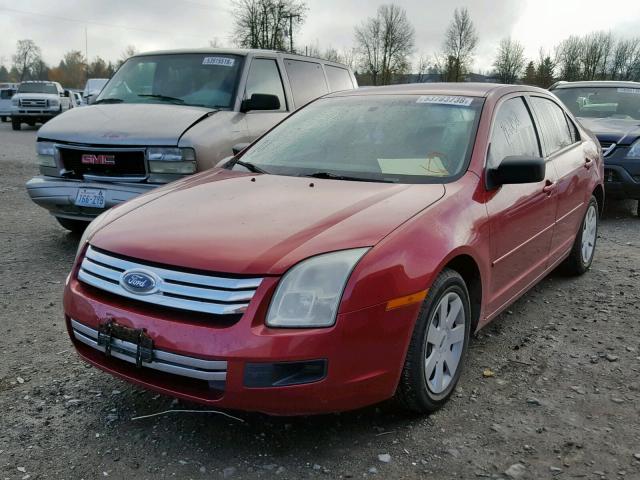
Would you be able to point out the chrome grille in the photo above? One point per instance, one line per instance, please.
(33, 102)
(210, 370)
(174, 289)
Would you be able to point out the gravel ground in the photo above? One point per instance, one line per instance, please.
(564, 401)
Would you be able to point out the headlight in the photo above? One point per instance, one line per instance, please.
(310, 292)
(634, 150)
(46, 154)
(54, 103)
(181, 161)
(14, 102)
(90, 230)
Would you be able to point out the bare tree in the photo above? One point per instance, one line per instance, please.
(422, 67)
(569, 54)
(267, 23)
(27, 56)
(509, 61)
(460, 44)
(130, 51)
(596, 48)
(385, 43)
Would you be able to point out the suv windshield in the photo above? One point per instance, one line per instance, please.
(602, 102)
(207, 80)
(38, 88)
(391, 138)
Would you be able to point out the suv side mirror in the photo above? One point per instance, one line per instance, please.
(260, 101)
(515, 170)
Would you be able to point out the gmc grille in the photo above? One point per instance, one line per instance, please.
(120, 163)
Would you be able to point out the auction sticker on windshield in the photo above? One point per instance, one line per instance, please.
(222, 61)
(90, 197)
(446, 100)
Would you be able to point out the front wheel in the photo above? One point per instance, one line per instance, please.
(15, 124)
(4, 119)
(438, 346)
(584, 246)
(74, 226)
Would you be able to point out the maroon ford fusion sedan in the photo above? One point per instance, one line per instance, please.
(346, 256)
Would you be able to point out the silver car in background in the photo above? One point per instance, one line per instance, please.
(165, 115)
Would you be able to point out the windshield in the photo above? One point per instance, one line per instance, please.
(399, 138)
(602, 102)
(207, 80)
(38, 88)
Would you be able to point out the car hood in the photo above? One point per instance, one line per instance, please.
(224, 221)
(622, 132)
(124, 124)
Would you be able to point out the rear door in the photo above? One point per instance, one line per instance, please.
(521, 217)
(264, 77)
(563, 147)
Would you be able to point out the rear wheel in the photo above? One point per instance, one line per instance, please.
(584, 246)
(75, 226)
(15, 124)
(438, 346)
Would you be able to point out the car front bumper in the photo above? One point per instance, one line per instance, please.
(58, 195)
(361, 355)
(622, 174)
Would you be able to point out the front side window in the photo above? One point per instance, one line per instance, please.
(601, 102)
(388, 138)
(553, 125)
(205, 80)
(48, 88)
(307, 81)
(264, 78)
(513, 133)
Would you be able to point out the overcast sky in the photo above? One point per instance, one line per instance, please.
(111, 25)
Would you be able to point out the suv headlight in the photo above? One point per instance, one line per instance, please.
(634, 150)
(180, 161)
(309, 294)
(46, 154)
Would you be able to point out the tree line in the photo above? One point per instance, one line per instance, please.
(382, 52)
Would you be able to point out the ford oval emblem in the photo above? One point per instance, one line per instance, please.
(139, 282)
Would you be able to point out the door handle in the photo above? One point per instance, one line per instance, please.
(549, 187)
(588, 163)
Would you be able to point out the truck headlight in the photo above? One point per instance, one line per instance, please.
(46, 154)
(309, 294)
(53, 103)
(181, 161)
(14, 102)
(634, 150)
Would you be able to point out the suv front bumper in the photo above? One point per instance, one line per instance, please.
(58, 195)
(622, 175)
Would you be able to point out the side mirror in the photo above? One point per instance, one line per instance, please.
(89, 99)
(238, 147)
(260, 101)
(515, 170)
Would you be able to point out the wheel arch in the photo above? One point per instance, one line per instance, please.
(598, 192)
(467, 267)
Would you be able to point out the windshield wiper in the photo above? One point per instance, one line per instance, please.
(162, 97)
(249, 166)
(335, 176)
(109, 100)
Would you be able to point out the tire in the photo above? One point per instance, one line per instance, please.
(577, 263)
(419, 389)
(74, 226)
(4, 119)
(15, 124)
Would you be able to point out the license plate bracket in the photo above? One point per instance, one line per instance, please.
(110, 330)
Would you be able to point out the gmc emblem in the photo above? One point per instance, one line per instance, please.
(91, 159)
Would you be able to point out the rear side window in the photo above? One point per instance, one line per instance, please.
(264, 78)
(513, 133)
(307, 81)
(553, 125)
(339, 78)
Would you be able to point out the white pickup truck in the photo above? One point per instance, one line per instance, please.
(37, 102)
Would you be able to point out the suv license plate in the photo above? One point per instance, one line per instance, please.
(90, 197)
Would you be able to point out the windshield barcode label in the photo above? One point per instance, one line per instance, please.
(445, 100)
(222, 61)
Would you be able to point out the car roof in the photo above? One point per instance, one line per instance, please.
(458, 89)
(596, 83)
(236, 51)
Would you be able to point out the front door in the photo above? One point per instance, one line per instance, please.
(521, 216)
(264, 77)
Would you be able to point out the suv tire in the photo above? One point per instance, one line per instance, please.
(15, 123)
(74, 226)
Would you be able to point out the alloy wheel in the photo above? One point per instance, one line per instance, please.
(589, 232)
